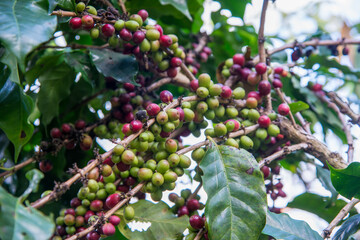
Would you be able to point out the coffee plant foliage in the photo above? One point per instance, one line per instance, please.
(97, 101)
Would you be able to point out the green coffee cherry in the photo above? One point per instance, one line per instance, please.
(220, 129)
(232, 142)
(204, 80)
(273, 130)
(238, 93)
(246, 142)
(163, 166)
(129, 212)
(202, 92)
(198, 154)
(157, 179)
(119, 24)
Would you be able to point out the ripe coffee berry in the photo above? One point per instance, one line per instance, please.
(45, 166)
(183, 211)
(166, 96)
(125, 35)
(66, 128)
(317, 87)
(266, 171)
(165, 41)
(255, 95)
(283, 109)
(196, 221)
(87, 21)
(194, 85)
(239, 59)
(175, 62)
(152, 109)
(226, 92)
(138, 37)
(264, 121)
(159, 28)
(260, 68)
(108, 30)
(171, 72)
(278, 70)
(112, 200)
(136, 125)
(80, 124)
(264, 88)
(93, 236)
(75, 23)
(277, 83)
(143, 14)
(55, 133)
(193, 204)
(108, 229)
(114, 220)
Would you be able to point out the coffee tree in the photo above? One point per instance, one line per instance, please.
(97, 97)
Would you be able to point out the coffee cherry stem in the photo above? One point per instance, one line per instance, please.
(193, 195)
(199, 234)
(284, 151)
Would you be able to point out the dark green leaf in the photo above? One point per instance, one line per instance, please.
(24, 25)
(348, 228)
(324, 177)
(319, 205)
(80, 62)
(237, 8)
(20, 223)
(180, 5)
(164, 224)
(66, 4)
(34, 176)
(55, 86)
(347, 181)
(298, 106)
(117, 236)
(121, 67)
(10, 60)
(281, 226)
(15, 110)
(236, 205)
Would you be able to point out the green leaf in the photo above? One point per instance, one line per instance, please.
(20, 223)
(66, 4)
(324, 177)
(15, 110)
(117, 236)
(10, 60)
(180, 5)
(24, 25)
(347, 181)
(55, 86)
(237, 8)
(164, 224)
(298, 106)
(80, 62)
(236, 205)
(282, 226)
(34, 176)
(121, 67)
(348, 228)
(319, 205)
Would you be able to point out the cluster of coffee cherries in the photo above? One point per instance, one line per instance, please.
(69, 135)
(184, 205)
(192, 58)
(135, 36)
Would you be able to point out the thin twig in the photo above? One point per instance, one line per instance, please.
(314, 43)
(107, 3)
(122, 5)
(262, 53)
(199, 234)
(343, 212)
(284, 151)
(345, 126)
(17, 167)
(195, 192)
(344, 108)
(62, 13)
(202, 43)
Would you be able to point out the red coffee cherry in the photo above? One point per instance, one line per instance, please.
(264, 121)
(261, 68)
(75, 23)
(166, 96)
(283, 109)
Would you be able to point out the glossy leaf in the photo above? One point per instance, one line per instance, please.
(10, 60)
(298, 106)
(55, 86)
(180, 5)
(80, 62)
(164, 224)
(347, 181)
(121, 67)
(20, 223)
(66, 4)
(348, 228)
(282, 226)
(24, 25)
(236, 205)
(15, 110)
(324, 177)
(319, 205)
(237, 7)
(34, 176)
